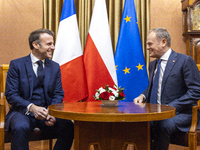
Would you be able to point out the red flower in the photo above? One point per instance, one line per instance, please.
(121, 93)
(105, 95)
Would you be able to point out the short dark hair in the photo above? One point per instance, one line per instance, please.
(35, 36)
(162, 33)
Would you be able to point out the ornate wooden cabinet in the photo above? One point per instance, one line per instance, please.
(191, 27)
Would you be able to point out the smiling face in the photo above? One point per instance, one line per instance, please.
(156, 48)
(44, 48)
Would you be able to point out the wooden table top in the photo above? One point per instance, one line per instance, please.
(124, 112)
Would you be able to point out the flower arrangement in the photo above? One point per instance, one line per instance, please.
(109, 93)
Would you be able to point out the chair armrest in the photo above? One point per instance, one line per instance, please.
(2, 115)
(193, 128)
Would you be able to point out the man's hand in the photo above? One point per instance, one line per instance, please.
(138, 99)
(40, 113)
(50, 120)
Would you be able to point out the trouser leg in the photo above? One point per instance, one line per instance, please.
(160, 133)
(20, 129)
(64, 130)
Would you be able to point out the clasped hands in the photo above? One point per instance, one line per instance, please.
(42, 113)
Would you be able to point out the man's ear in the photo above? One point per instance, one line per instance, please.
(36, 45)
(164, 42)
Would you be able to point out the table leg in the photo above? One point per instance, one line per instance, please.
(111, 135)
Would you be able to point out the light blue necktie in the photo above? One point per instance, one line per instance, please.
(154, 89)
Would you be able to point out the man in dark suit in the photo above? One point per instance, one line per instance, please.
(33, 83)
(178, 86)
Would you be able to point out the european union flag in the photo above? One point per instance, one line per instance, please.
(129, 58)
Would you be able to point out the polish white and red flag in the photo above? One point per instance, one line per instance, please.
(98, 54)
(68, 53)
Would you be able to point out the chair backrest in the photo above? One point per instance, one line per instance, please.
(198, 65)
(3, 74)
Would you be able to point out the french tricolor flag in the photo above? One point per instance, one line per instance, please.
(98, 54)
(68, 53)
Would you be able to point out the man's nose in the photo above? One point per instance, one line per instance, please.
(53, 47)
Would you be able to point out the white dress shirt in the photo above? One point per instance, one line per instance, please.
(35, 64)
(164, 59)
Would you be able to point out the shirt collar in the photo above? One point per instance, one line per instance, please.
(35, 59)
(166, 55)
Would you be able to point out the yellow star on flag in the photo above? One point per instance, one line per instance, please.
(127, 19)
(116, 67)
(126, 70)
(140, 67)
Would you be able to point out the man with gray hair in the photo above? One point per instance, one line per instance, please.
(174, 81)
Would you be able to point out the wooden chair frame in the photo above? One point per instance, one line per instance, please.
(192, 139)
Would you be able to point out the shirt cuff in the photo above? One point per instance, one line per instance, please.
(28, 107)
(144, 98)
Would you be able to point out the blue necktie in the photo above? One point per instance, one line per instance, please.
(40, 71)
(154, 89)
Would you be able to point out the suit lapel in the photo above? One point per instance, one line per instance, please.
(170, 64)
(151, 74)
(30, 75)
(47, 74)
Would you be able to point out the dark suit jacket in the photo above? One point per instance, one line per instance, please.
(19, 85)
(180, 87)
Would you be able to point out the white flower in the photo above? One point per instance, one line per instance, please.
(112, 98)
(101, 90)
(97, 95)
(111, 89)
(115, 93)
